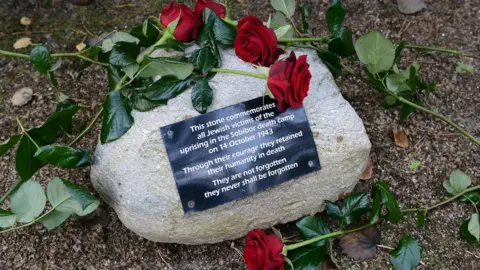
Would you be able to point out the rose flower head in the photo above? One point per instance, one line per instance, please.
(188, 25)
(289, 81)
(255, 43)
(218, 8)
(263, 252)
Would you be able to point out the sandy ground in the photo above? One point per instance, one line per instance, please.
(104, 243)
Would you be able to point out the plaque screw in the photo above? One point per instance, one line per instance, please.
(310, 163)
(170, 133)
(191, 204)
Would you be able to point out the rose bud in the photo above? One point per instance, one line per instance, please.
(263, 252)
(289, 81)
(255, 43)
(219, 9)
(188, 25)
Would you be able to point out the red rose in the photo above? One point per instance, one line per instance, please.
(188, 26)
(289, 81)
(263, 252)
(219, 9)
(255, 43)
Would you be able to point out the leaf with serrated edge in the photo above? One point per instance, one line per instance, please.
(108, 44)
(54, 219)
(311, 227)
(9, 143)
(63, 156)
(282, 31)
(117, 117)
(66, 197)
(474, 226)
(164, 67)
(28, 201)
(306, 258)
(375, 51)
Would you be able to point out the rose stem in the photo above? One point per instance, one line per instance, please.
(306, 39)
(460, 53)
(78, 55)
(239, 72)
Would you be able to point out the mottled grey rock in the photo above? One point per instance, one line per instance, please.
(410, 6)
(134, 177)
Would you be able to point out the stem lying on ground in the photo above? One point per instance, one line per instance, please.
(55, 55)
(416, 106)
(427, 48)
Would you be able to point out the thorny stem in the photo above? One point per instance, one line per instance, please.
(440, 50)
(239, 72)
(416, 106)
(78, 55)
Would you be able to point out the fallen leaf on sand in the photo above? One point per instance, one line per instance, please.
(368, 171)
(22, 43)
(400, 138)
(25, 21)
(362, 244)
(80, 46)
(22, 96)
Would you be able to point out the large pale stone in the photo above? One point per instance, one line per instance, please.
(134, 177)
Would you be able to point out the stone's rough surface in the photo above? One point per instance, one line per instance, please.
(133, 174)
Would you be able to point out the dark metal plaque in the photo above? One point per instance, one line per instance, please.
(236, 151)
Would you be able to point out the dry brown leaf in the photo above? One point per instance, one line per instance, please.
(22, 96)
(22, 43)
(400, 138)
(25, 21)
(80, 46)
(342, 195)
(361, 245)
(367, 171)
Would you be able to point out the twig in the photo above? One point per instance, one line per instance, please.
(385, 247)
(163, 259)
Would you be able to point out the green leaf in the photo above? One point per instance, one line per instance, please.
(67, 197)
(397, 83)
(117, 118)
(28, 201)
(173, 25)
(166, 88)
(161, 66)
(278, 20)
(305, 13)
(124, 54)
(375, 51)
(394, 212)
(459, 181)
(130, 70)
(407, 110)
(8, 144)
(335, 16)
(421, 218)
(398, 52)
(311, 227)
(287, 7)
(353, 207)
(146, 33)
(202, 95)
(390, 100)
(283, 31)
(63, 156)
(142, 104)
(7, 219)
(471, 197)
(203, 60)
(306, 258)
(53, 79)
(114, 76)
(216, 29)
(331, 60)
(462, 67)
(25, 164)
(41, 59)
(407, 254)
(448, 187)
(54, 219)
(376, 207)
(173, 44)
(465, 233)
(474, 226)
(342, 43)
(108, 44)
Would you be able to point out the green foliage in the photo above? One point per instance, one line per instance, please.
(471, 197)
(146, 33)
(407, 254)
(462, 67)
(25, 163)
(306, 258)
(172, 44)
(376, 52)
(108, 44)
(163, 66)
(8, 144)
(41, 59)
(353, 207)
(466, 230)
(63, 156)
(203, 60)
(381, 193)
(335, 16)
(28, 201)
(117, 118)
(305, 13)
(331, 60)
(342, 42)
(202, 95)
(457, 182)
(421, 215)
(311, 227)
(287, 7)
(124, 54)
(474, 226)
(114, 75)
(215, 29)
(7, 218)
